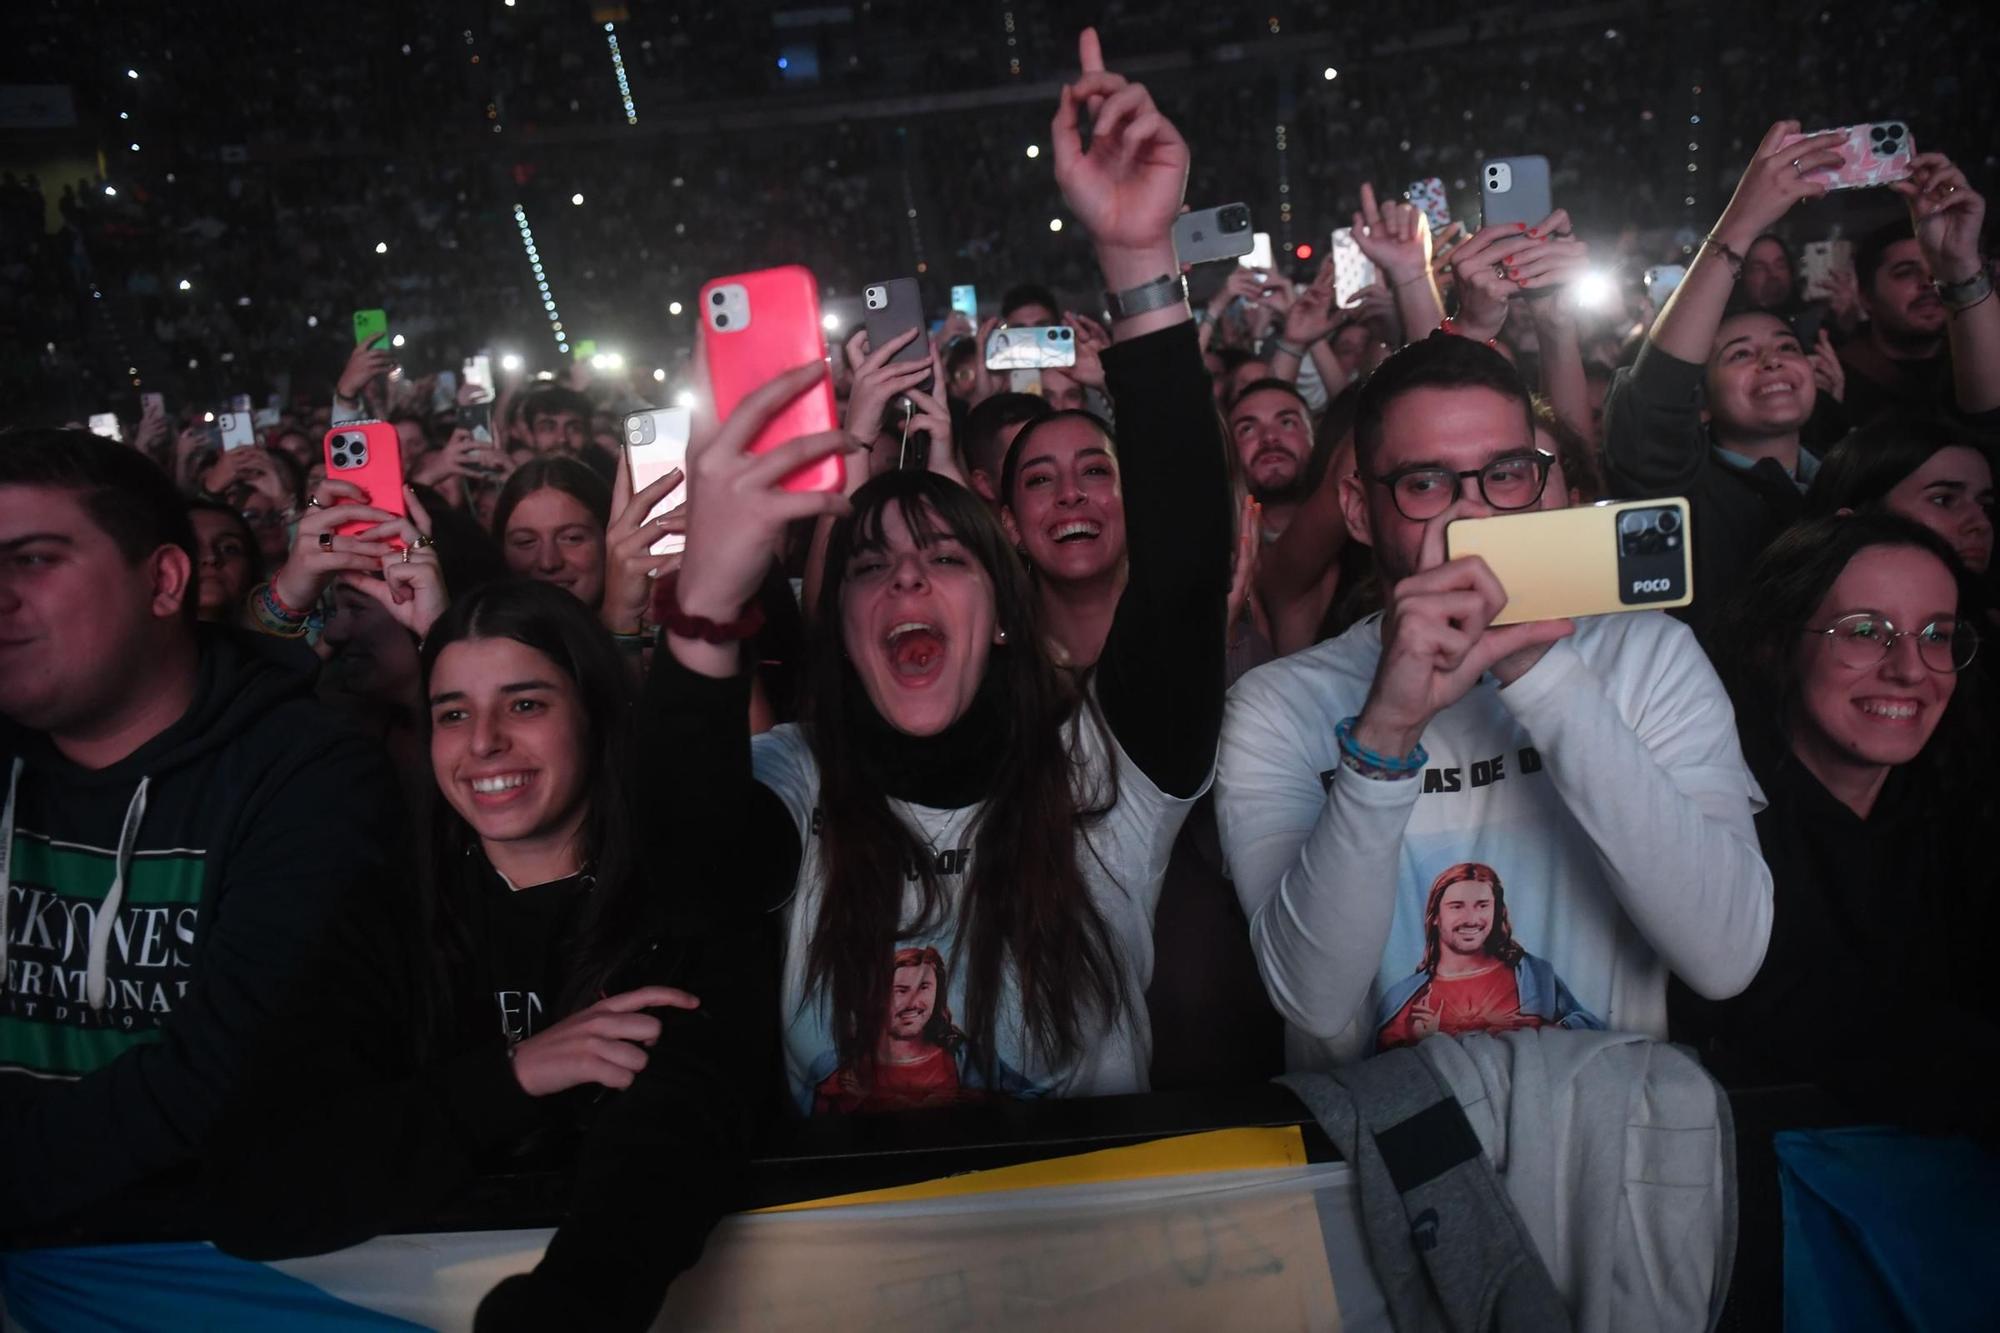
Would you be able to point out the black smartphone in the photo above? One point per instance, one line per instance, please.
(893, 308)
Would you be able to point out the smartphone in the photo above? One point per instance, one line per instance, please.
(1819, 261)
(1807, 324)
(1428, 195)
(1514, 189)
(478, 373)
(1352, 270)
(1258, 256)
(478, 418)
(154, 403)
(894, 307)
(656, 443)
(370, 455)
(236, 429)
(369, 325)
(1214, 233)
(1631, 555)
(106, 424)
(1037, 347)
(754, 327)
(1871, 155)
(1661, 279)
(965, 301)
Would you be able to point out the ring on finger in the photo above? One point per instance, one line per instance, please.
(312, 502)
(423, 541)
(406, 555)
(1797, 167)
(326, 541)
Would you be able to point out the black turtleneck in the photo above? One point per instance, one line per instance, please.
(948, 771)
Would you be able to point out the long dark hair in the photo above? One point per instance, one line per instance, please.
(1026, 901)
(1758, 632)
(1859, 472)
(613, 925)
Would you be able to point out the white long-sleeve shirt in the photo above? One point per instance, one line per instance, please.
(1605, 789)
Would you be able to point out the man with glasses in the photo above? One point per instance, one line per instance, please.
(1593, 766)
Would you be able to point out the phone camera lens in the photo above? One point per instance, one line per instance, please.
(1669, 521)
(716, 298)
(722, 321)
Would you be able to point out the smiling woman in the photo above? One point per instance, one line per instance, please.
(1846, 656)
(544, 953)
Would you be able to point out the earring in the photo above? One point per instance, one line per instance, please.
(1003, 636)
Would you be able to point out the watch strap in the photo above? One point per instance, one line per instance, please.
(1158, 294)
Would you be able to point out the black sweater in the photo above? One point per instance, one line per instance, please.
(263, 817)
(1874, 985)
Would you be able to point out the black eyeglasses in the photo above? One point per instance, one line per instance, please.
(1513, 482)
(1863, 640)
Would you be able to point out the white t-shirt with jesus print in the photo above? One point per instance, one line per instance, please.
(1573, 837)
(1123, 859)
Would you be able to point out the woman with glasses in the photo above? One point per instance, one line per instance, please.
(1845, 652)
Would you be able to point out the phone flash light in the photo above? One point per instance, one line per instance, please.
(685, 398)
(396, 341)
(830, 322)
(510, 362)
(208, 416)
(1055, 224)
(673, 307)
(659, 376)
(1594, 290)
(1034, 150)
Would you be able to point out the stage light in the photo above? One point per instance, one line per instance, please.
(1055, 224)
(186, 286)
(659, 376)
(396, 341)
(381, 247)
(205, 416)
(830, 322)
(124, 115)
(312, 321)
(1330, 74)
(1594, 290)
(783, 63)
(110, 192)
(1034, 150)
(576, 199)
(135, 148)
(510, 362)
(131, 73)
(685, 398)
(618, 71)
(673, 307)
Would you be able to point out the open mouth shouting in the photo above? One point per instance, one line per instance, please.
(916, 651)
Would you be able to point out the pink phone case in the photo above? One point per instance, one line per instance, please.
(1428, 194)
(782, 330)
(370, 455)
(1871, 155)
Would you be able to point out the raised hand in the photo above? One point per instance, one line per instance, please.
(367, 363)
(1777, 177)
(314, 563)
(1438, 640)
(411, 588)
(877, 383)
(604, 1044)
(1947, 214)
(1396, 236)
(738, 511)
(1126, 188)
(1313, 314)
(630, 563)
(1091, 340)
(1828, 374)
(1243, 564)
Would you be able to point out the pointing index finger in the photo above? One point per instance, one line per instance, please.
(1090, 51)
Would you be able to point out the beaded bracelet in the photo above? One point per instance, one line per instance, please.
(1368, 763)
(1729, 256)
(1448, 325)
(271, 616)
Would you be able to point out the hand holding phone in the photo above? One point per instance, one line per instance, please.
(369, 326)
(656, 444)
(1038, 347)
(1352, 270)
(895, 307)
(1514, 190)
(1586, 560)
(1435, 647)
(756, 327)
(1869, 155)
(369, 456)
(1210, 234)
(965, 301)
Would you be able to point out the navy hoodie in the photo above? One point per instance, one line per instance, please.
(155, 916)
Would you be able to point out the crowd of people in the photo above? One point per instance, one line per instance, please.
(1133, 729)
